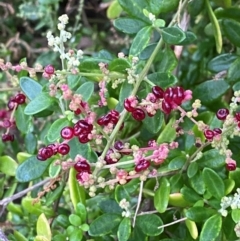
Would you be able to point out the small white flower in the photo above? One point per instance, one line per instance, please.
(63, 19)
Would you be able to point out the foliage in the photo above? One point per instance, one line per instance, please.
(134, 136)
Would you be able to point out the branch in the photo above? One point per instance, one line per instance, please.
(7, 200)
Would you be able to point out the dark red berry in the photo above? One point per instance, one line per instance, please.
(53, 147)
(153, 99)
(222, 114)
(118, 145)
(168, 95)
(20, 99)
(166, 107)
(142, 165)
(3, 113)
(63, 149)
(237, 116)
(76, 129)
(79, 176)
(6, 123)
(7, 137)
(83, 138)
(104, 120)
(82, 166)
(138, 114)
(127, 105)
(108, 157)
(151, 143)
(85, 127)
(77, 111)
(217, 131)
(41, 158)
(231, 166)
(11, 104)
(49, 69)
(158, 92)
(67, 133)
(209, 134)
(46, 152)
(114, 113)
(178, 95)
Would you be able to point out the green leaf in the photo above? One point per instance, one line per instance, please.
(55, 194)
(140, 41)
(212, 159)
(78, 148)
(73, 80)
(161, 196)
(81, 211)
(149, 224)
(190, 37)
(216, 27)
(169, 61)
(214, 183)
(54, 131)
(197, 183)
(210, 90)
(135, 8)
(195, 7)
(19, 236)
(114, 10)
(229, 186)
(43, 227)
(31, 169)
(86, 90)
(38, 104)
(163, 80)
(104, 224)
(124, 229)
(233, 74)
(162, 6)
(234, 175)
(173, 35)
(153, 124)
(8, 166)
(177, 200)
(22, 120)
(125, 191)
(125, 91)
(199, 214)
(30, 141)
(54, 169)
(146, 53)
(232, 12)
(211, 228)
(119, 65)
(30, 87)
(76, 235)
(177, 162)
(192, 228)
(190, 195)
(129, 25)
(231, 29)
(192, 169)
(110, 206)
(221, 62)
(77, 192)
(75, 220)
(236, 215)
(168, 134)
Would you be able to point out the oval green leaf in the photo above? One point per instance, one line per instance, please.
(199, 214)
(124, 229)
(129, 25)
(232, 30)
(38, 104)
(161, 196)
(211, 228)
(8, 166)
(173, 35)
(30, 87)
(214, 183)
(86, 90)
(43, 227)
(22, 120)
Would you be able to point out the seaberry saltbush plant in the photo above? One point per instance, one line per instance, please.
(141, 144)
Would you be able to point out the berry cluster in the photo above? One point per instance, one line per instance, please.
(82, 168)
(142, 165)
(158, 99)
(52, 149)
(12, 104)
(111, 117)
(210, 134)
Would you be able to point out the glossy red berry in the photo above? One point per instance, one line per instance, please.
(217, 131)
(77, 111)
(209, 134)
(67, 133)
(108, 157)
(138, 114)
(85, 127)
(142, 165)
(166, 107)
(20, 98)
(63, 149)
(222, 114)
(44, 153)
(118, 145)
(158, 92)
(104, 120)
(178, 95)
(49, 69)
(237, 116)
(127, 105)
(82, 166)
(114, 113)
(11, 104)
(231, 166)
(7, 137)
(53, 147)
(83, 138)
(168, 94)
